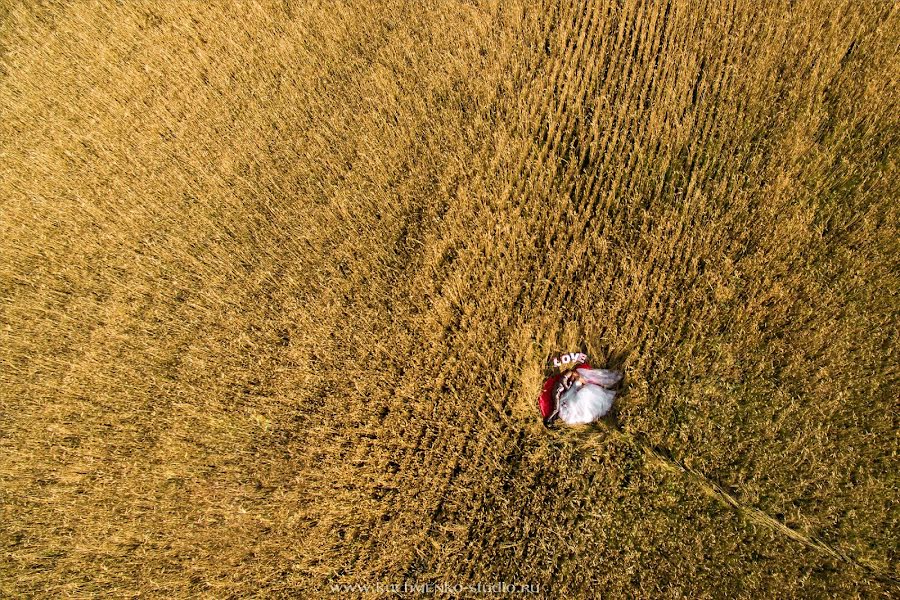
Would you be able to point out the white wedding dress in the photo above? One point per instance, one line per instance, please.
(588, 401)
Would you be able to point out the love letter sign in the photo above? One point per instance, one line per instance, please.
(568, 361)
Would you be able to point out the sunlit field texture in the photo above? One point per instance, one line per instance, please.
(279, 280)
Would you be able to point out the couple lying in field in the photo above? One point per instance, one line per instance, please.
(577, 393)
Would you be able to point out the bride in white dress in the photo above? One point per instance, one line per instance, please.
(582, 394)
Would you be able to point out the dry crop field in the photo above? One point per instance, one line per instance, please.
(278, 281)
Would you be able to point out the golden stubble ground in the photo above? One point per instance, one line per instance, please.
(278, 281)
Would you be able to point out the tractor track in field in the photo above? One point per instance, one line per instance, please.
(664, 459)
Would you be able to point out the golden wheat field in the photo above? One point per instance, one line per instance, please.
(279, 281)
